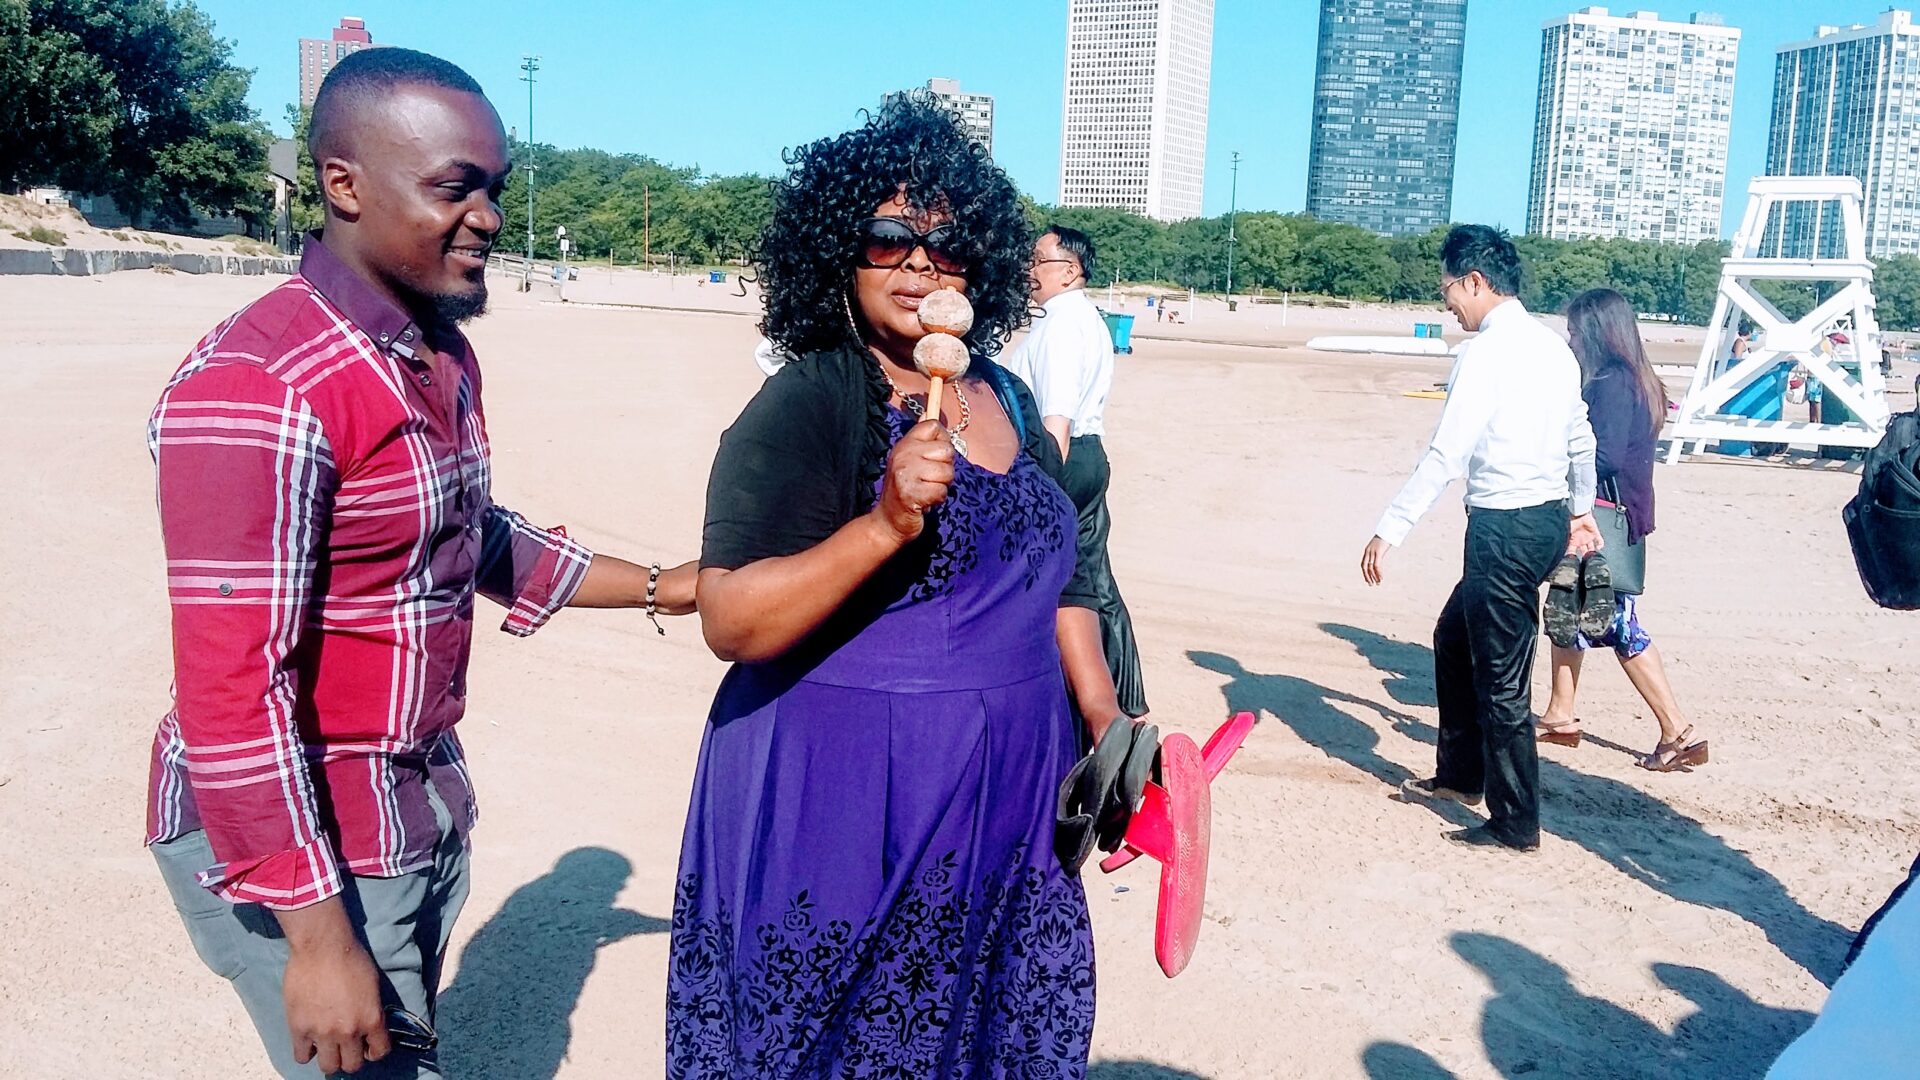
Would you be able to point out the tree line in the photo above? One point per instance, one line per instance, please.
(138, 99)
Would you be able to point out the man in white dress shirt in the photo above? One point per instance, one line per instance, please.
(1515, 426)
(1067, 360)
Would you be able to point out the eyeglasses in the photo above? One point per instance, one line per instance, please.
(887, 242)
(1448, 283)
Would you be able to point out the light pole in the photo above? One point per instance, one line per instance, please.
(529, 64)
(1233, 204)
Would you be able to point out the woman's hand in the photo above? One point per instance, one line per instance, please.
(919, 471)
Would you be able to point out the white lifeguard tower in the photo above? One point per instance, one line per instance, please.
(1849, 310)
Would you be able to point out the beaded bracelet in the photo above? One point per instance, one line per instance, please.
(653, 586)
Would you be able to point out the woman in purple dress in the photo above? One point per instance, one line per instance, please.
(868, 884)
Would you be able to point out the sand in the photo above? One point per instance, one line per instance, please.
(1672, 925)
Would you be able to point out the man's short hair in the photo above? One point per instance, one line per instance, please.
(1077, 244)
(1486, 249)
(362, 78)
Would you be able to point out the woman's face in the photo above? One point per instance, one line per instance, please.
(888, 298)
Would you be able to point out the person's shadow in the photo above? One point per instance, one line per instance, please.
(1538, 1024)
(1138, 1070)
(1641, 836)
(1309, 709)
(509, 1011)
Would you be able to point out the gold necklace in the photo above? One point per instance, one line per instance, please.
(919, 410)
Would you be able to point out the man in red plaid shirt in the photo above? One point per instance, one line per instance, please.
(324, 497)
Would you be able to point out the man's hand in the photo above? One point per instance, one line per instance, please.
(332, 990)
(1583, 536)
(1371, 559)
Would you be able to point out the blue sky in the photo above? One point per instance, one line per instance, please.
(726, 85)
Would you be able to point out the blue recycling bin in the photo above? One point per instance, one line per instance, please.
(718, 277)
(1120, 327)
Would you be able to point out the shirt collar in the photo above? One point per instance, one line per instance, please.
(1506, 309)
(1062, 298)
(387, 323)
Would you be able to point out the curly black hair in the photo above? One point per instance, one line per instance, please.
(806, 258)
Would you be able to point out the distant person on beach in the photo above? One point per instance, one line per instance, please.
(1627, 406)
(868, 883)
(1515, 426)
(323, 477)
(1067, 361)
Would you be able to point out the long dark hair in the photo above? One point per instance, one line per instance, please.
(912, 145)
(1605, 336)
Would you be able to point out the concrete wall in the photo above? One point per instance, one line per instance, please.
(79, 262)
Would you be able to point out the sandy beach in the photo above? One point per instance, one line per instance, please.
(1671, 926)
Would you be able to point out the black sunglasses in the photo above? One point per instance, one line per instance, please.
(887, 242)
(410, 1033)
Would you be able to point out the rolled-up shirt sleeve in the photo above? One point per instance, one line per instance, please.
(245, 480)
(530, 571)
(1582, 477)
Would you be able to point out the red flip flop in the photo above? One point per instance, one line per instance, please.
(1221, 746)
(1174, 825)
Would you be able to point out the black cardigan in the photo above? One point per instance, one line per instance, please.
(803, 456)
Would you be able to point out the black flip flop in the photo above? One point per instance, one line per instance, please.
(1143, 756)
(1596, 596)
(1562, 611)
(1085, 793)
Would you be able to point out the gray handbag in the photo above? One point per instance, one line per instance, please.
(1626, 561)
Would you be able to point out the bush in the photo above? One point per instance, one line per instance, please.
(40, 234)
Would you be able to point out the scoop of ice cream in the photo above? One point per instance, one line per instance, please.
(941, 356)
(946, 311)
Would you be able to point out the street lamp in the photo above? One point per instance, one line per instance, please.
(1233, 205)
(529, 64)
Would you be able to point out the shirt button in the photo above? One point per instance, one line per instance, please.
(384, 338)
(426, 379)
(226, 589)
(406, 336)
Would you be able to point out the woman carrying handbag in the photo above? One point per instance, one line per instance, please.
(1627, 405)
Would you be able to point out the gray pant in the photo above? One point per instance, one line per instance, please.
(403, 921)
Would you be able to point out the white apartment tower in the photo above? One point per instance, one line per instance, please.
(1630, 130)
(1134, 127)
(1847, 103)
(975, 110)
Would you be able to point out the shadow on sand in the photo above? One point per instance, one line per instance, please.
(1538, 1024)
(1638, 834)
(509, 1011)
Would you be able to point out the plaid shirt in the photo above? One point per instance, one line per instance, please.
(324, 502)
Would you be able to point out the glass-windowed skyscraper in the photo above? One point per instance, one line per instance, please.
(1386, 105)
(1847, 103)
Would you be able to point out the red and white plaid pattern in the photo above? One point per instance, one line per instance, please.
(324, 501)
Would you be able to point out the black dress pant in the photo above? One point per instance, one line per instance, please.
(1085, 481)
(1483, 649)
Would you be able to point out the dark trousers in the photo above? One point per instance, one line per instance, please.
(1085, 481)
(1483, 648)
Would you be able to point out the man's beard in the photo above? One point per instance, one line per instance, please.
(450, 309)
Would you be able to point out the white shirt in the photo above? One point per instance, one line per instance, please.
(1067, 361)
(1514, 424)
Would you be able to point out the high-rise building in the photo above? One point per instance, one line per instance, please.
(1386, 105)
(1134, 129)
(1630, 130)
(1847, 103)
(318, 55)
(975, 110)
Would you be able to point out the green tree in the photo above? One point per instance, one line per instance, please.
(1896, 288)
(305, 204)
(1345, 260)
(135, 99)
(1268, 252)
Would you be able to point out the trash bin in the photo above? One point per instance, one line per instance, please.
(1419, 329)
(1120, 327)
(1233, 305)
(1758, 400)
(717, 276)
(1149, 301)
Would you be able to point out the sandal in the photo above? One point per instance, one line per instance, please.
(1567, 734)
(1679, 755)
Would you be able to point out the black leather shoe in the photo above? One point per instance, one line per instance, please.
(1481, 836)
